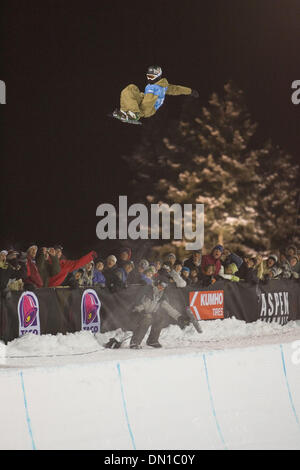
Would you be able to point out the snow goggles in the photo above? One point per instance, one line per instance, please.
(152, 76)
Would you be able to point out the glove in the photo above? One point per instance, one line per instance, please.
(195, 94)
(113, 344)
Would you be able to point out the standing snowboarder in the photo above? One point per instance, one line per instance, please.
(135, 105)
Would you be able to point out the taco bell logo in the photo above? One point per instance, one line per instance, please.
(90, 311)
(28, 311)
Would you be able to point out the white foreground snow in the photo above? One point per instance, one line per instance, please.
(236, 386)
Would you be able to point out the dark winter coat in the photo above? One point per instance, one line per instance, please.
(7, 272)
(247, 274)
(204, 280)
(151, 300)
(233, 258)
(47, 267)
(123, 276)
(113, 281)
(189, 263)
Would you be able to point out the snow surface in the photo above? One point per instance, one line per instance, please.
(235, 386)
(82, 347)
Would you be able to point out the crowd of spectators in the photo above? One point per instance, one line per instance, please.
(48, 267)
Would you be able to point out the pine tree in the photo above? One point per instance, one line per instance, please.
(249, 194)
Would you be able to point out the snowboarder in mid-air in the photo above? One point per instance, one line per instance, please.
(135, 105)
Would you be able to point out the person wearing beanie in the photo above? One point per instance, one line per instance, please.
(291, 251)
(207, 277)
(194, 261)
(77, 280)
(275, 272)
(213, 258)
(110, 273)
(175, 275)
(269, 268)
(98, 277)
(125, 255)
(291, 268)
(185, 274)
(170, 259)
(33, 279)
(295, 266)
(228, 257)
(230, 272)
(147, 276)
(158, 264)
(143, 264)
(164, 272)
(135, 276)
(48, 264)
(247, 271)
(124, 271)
(111, 260)
(88, 274)
(10, 276)
(194, 277)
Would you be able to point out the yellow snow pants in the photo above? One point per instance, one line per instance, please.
(131, 99)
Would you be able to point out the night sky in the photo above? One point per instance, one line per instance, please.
(64, 64)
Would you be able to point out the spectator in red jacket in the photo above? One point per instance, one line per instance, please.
(68, 266)
(213, 258)
(33, 278)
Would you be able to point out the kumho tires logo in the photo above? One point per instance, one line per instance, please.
(207, 305)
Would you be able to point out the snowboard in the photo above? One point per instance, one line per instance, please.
(128, 121)
(194, 321)
(113, 343)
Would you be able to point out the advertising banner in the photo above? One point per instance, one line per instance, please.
(66, 310)
(207, 305)
(28, 313)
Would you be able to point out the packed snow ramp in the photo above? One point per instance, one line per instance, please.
(246, 398)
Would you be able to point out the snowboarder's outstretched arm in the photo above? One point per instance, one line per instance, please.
(176, 90)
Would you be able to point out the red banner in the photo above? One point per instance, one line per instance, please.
(207, 305)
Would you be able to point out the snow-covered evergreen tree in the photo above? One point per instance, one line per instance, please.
(209, 157)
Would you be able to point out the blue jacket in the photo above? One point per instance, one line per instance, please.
(233, 258)
(98, 277)
(146, 279)
(158, 91)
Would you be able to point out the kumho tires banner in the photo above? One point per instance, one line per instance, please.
(207, 305)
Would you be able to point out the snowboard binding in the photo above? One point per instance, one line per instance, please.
(129, 117)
